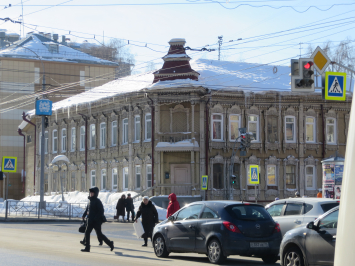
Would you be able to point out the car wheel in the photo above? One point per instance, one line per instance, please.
(160, 247)
(270, 259)
(214, 252)
(293, 257)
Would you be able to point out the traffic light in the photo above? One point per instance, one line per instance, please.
(243, 144)
(302, 75)
(46, 122)
(234, 181)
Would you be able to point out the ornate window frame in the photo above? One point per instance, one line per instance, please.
(272, 190)
(254, 111)
(218, 159)
(315, 144)
(179, 108)
(311, 161)
(291, 160)
(236, 111)
(273, 112)
(332, 114)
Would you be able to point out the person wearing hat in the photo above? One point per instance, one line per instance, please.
(149, 218)
(129, 207)
(95, 217)
(120, 207)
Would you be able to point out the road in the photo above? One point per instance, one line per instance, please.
(58, 244)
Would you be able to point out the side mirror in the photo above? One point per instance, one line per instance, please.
(311, 226)
(171, 218)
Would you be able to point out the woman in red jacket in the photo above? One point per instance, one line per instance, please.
(174, 205)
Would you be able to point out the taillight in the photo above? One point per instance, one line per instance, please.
(231, 227)
(277, 228)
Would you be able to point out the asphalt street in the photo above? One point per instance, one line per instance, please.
(58, 244)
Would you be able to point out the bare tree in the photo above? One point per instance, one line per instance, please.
(150, 66)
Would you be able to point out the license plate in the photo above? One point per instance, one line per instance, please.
(259, 244)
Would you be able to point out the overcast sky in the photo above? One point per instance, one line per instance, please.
(199, 22)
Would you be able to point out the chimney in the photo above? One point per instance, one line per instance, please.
(63, 39)
(55, 37)
(48, 35)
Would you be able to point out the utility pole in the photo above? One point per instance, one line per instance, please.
(220, 40)
(300, 49)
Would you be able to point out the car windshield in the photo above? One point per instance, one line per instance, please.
(327, 206)
(248, 212)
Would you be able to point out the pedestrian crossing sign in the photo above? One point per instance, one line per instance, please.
(254, 174)
(335, 86)
(9, 164)
(204, 183)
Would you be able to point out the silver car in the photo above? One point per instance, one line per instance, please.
(295, 212)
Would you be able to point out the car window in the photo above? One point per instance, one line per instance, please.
(328, 206)
(293, 209)
(248, 212)
(330, 221)
(275, 210)
(307, 207)
(209, 214)
(189, 213)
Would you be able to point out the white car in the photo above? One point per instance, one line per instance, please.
(295, 212)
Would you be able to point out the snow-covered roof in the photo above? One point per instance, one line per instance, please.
(177, 40)
(40, 45)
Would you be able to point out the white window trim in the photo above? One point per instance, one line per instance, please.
(135, 129)
(229, 126)
(222, 126)
(146, 174)
(82, 148)
(53, 141)
(124, 135)
(72, 147)
(91, 147)
(124, 179)
(145, 126)
(46, 140)
(39, 142)
(103, 135)
(267, 177)
(91, 175)
(257, 128)
(335, 130)
(66, 138)
(294, 129)
(113, 178)
(314, 129)
(112, 131)
(135, 176)
(314, 178)
(102, 179)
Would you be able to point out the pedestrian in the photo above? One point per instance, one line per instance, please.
(130, 207)
(95, 217)
(276, 198)
(121, 206)
(149, 218)
(173, 206)
(297, 194)
(319, 194)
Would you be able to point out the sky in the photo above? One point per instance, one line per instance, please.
(149, 27)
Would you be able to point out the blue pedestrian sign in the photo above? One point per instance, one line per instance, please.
(335, 86)
(254, 174)
(9, 164)
(43, 107)
(204, 182)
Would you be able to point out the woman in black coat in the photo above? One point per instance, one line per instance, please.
(149, 218)
(121, 206)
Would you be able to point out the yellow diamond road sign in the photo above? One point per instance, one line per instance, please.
(320, 59)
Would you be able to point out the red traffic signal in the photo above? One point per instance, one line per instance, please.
(308, 65)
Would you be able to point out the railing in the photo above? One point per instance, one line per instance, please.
(174, 137)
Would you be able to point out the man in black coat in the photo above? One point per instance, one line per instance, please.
(129, 207)
(149, 218)
(95, 217)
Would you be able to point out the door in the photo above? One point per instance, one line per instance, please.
(292, 218)
(182, 232)
(181, 179)
(320, 244)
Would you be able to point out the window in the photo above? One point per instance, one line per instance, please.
(73, 139)
(209, 214)
(248, 212)
(307, 207)
(82, 78)
(29, 138)
(93, 178)
(149, 175)
(138, 176)
(92, 137)
(290, 125)
(310, 129)
(114, 179)
(234, 125)
(290, 176)
(45, 183)
(293, 209)
(275, 210)
(310, 177)
(217, 127)
(46, 142)
(218, 175)
(114, 133)
(73, 183)
(330, 221)
(55, 141)
(148, 127)
(253, 127)
(327, 206)
(271, 175)
(125, 131)
(125, 178)
(272, 129)
(102, 135)
(137, 128)
(331, 135)
(83, 181)
(64, 140)
(82, 138)
(103, 179)
(189, 213)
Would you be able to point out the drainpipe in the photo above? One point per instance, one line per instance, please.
(24, 159)
(324, 140)
(35, 148)
(86, 142)
(152, 139)
(206, 140)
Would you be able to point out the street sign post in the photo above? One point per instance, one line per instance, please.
(9, 164)
(254, 177)
(321, 60)
(335, 86)
(204, 182)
